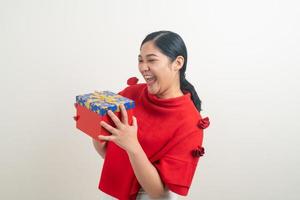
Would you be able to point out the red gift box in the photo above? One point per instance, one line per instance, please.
(88, 121)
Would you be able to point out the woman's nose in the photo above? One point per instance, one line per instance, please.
(143, 67)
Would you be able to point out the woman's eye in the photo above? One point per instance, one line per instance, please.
(140, 61)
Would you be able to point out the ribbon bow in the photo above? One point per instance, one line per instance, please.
(98, 97)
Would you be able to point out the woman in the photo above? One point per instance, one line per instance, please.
(156, 156)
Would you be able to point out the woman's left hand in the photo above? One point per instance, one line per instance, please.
(124, 135)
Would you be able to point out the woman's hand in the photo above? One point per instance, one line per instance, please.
(124, 135)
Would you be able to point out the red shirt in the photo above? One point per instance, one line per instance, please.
(168, 131)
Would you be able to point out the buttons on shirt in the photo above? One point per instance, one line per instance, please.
(203, 123)
(199, 151)
(132, 81)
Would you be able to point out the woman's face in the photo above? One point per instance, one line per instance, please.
(160, 74)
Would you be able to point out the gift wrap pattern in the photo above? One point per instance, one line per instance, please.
(102, 101)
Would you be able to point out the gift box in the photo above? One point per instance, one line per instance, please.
(92, 108)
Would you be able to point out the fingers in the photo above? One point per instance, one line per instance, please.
(124, 114)
(115, 119)
(109, 128)
(134, 121)
(107, 138)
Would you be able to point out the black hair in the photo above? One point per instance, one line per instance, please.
(172, 45)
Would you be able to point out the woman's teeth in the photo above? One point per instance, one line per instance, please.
(149, 78)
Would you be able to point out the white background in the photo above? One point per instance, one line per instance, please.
(243, 61)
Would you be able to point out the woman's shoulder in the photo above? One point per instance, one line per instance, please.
(191, 121)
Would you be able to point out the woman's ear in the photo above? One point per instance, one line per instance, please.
(178, 63)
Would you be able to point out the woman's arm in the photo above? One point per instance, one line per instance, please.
(100, 147)
(146, 173)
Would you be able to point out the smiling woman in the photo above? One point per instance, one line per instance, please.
(163, 57)
(160, 74)
(156, 156)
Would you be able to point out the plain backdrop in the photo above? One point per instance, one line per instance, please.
(243, 61)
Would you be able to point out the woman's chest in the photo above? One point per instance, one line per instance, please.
(155, 130)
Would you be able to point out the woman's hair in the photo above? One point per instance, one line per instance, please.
(172, 45)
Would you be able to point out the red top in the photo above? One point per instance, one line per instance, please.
(169, 133)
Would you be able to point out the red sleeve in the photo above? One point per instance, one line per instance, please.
(178, 166)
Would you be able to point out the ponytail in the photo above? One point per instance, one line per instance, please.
(185, 85)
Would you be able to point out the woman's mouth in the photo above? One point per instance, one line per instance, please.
(150, 79)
